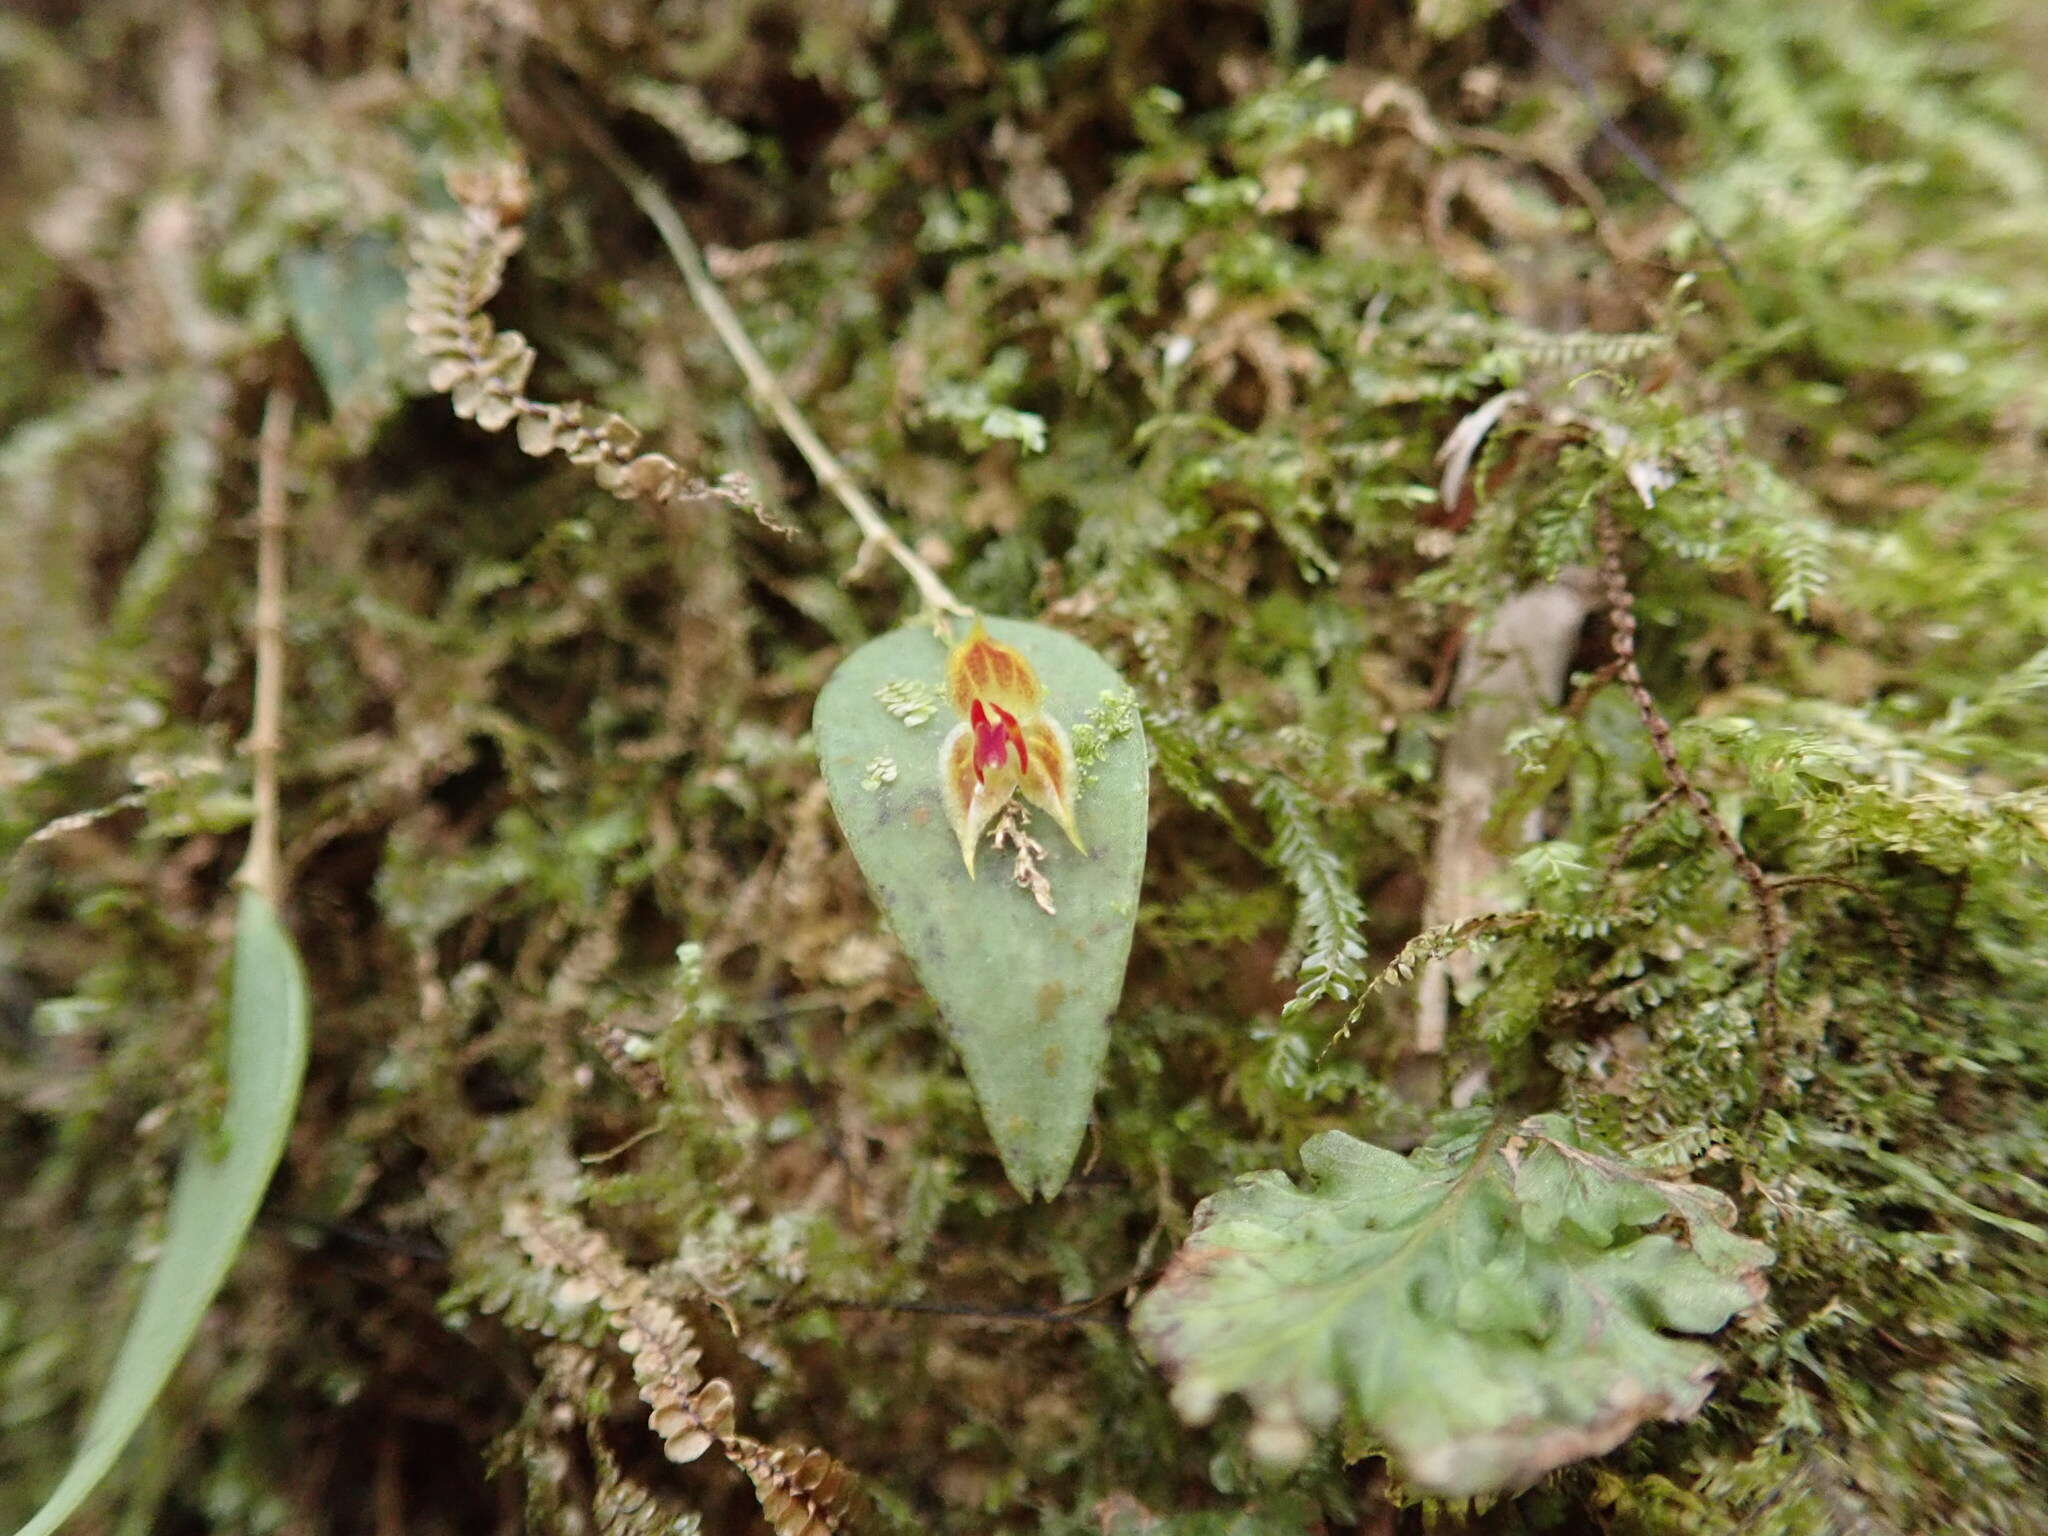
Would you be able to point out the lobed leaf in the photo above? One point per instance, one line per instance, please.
(1491, 1306)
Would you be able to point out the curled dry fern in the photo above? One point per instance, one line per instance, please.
(624, 1507)
(457, 265)
(803, 1492)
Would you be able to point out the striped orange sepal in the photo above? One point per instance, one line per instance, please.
(1005, 742)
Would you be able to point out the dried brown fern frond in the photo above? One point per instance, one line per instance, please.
(626, 1054)
(457, 265)
(803, 1492)
(626, 1508)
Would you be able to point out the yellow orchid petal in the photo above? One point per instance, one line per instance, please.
(1049, 775)
(974, 795)
(982, 668)
(1005, 742)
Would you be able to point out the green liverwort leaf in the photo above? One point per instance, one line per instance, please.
(213, 1202)
(346, 303)
(1488, 1307)
(1026, 993)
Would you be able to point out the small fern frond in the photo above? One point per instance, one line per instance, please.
(803, 1492)
(458, 264)
(1332, 918)
(624, 1507)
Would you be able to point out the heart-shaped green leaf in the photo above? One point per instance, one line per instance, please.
(1026, 994)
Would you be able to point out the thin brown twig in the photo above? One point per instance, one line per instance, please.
(262, 870)
(675, 234)
(1070, 1315)
(1566, 63)
(1894, 930)
(1621, 615)
(1595, 680)
(1635, 829)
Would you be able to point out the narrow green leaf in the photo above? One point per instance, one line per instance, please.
(1489, 1307)
(213, 1202)
(1026, 995)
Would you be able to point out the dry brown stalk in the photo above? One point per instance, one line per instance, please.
(261, 870)
(682, 247)
(1621, 617)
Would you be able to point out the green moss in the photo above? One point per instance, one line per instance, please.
(1150, 329)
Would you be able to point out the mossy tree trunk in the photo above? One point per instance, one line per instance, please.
(1270, 350)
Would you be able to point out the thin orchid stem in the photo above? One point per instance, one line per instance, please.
(675, 234)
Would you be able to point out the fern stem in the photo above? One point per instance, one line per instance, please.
(1582, 83)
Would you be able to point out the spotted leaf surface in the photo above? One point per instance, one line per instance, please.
(1026, 995)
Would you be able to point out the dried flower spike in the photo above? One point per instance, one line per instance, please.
(1005, 742)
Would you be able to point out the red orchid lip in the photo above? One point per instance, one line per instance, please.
(993, 739)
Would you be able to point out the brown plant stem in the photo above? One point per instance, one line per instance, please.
(1626, 842)
(261, 869)
(1894, 930)
(1072, 1315)
(1561, 59)
(1621, 616)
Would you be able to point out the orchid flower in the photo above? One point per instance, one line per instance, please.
(1005, 742)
